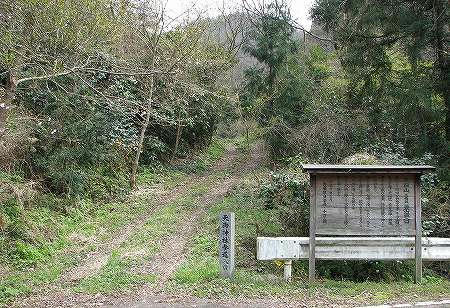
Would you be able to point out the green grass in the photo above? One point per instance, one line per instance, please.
(202, 271)
(21, 282)
(59, 243)
(166, 176)
(215, 150)
(113, 277)
(205, 159)
(199, 275)
(8, 177)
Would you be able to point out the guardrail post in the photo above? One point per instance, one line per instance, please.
(287, 270)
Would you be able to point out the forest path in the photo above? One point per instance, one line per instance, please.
(98, 258)
(172, 242)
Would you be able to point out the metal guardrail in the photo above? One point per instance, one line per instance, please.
(350, 248)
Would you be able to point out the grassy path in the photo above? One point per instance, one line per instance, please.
(98, 258)
(165, 253)
(145, 251)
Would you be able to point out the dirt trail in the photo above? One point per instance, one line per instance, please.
(174, 248)
(97, 259)
(173, 253)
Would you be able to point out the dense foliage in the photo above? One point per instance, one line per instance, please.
(372, 39)
(377, 99)
(90, 92)
(87, 96)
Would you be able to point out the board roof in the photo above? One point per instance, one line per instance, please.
(312, 168)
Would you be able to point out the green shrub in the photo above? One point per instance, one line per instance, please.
(436, 210)
(366, 270)
(361, 159)
(14, 223)
(24, 254)
(289, 195)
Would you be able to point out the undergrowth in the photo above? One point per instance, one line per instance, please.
(199, 276)
(42, 234)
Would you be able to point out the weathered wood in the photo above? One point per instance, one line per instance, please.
(226, 243)
(365, 204)
(352, 248)
(311, 168)
(369, 201)
(312, 230)
(418, 239)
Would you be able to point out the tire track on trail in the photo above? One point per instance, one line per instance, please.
(58, 294)
(176, 249)
(96, 260)
(172, 253)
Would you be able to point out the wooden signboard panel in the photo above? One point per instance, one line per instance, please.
(354, 204)
(349, 200)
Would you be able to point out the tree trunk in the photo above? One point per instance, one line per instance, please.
(6, 102)
(144, 127)
(177, 141)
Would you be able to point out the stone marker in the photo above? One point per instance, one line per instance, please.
(226, 243)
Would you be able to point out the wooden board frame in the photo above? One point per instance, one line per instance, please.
(312, 230)
(418, 242)
(327, 170)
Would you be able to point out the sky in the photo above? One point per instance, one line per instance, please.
(299, 8)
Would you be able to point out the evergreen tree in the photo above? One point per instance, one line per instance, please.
(366, 33)
(271, 37)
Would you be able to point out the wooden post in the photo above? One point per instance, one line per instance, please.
(367, 201)
(312, 230)
(287, 270)
(418, 217)
(226, 243)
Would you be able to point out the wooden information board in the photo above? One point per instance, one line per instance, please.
(365, 204)
(352, 200)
